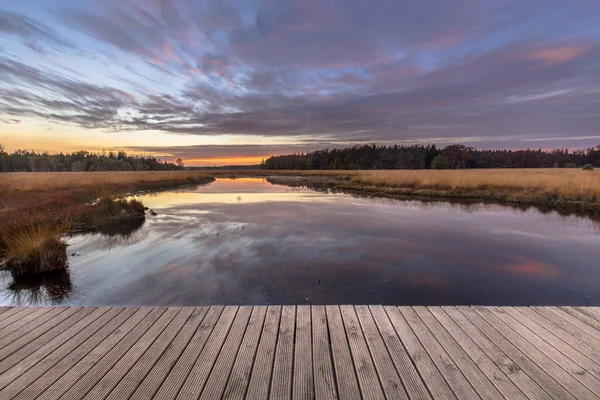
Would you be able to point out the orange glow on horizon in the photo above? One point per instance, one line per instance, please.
(219, 161)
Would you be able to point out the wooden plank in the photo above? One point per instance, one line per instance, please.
(368, 379)
(260, 378)
(143, 354)
(388, 376)
(431, 375)
(475, 376)
(17, 317)
(516, 352)
(4, 309)
(324, 381)
(28, 327)
(62, 358)
(303, 386)
(136, 324)
(150, 326)
(413, 384)
(281, 382)
(30, 341)
(170, 357)
(182, 368)
(567, 337)
(345, 373)
(547, 350)
(447, 367)
(583, 317)
(589, 311)
(217, 380)
(565, 325)
(487, 357)
(581, 325)
(28, 355)
(239, 378)
(195, 381)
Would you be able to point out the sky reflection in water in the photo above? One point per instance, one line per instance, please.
(250, 242)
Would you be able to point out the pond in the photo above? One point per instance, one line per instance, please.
(248, 241)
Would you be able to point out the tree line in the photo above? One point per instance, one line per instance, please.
(432, 157)
(30, 161)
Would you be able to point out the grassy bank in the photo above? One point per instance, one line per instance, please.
(38, 209)
(560, 188)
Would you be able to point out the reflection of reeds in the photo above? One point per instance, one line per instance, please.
(51, 288)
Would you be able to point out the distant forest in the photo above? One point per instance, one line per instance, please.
(432, 157)
(30, 161)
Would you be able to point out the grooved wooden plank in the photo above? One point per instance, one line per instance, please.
(447, 367)
(325, 387)
(590, 312)
(303, 357)
(413, 383)
(66, 354)
(19, 316)
(123, 333)
(474, 375)
(51, 368)
(147, 328)
(561, 366)
(4, 309)
(195, 381)
(390, 381)
(566, 336)
(29, 328)
(519, 355)
(260, 378)
(281, 382)
(431, 375)
(217, 380)
(30, 341)
(567, 326)
(368, 380)
(239, 378)
(488, 357)
(136, 373)
(181, 369)
(581, 325)
(556, 338)
(345, 371)
(169, 358)
(101, 380)
(583, 317)
(28, 355)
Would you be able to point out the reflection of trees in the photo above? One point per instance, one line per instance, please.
(51, 288)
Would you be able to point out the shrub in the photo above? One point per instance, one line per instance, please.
(35, 248)
(588, 167)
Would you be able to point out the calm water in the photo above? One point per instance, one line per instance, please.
(250, 242)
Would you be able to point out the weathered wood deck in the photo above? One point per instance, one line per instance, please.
(346, 352)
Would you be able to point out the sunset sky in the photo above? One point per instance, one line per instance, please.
(220, 82)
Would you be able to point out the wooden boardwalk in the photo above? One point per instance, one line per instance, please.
(300, 352)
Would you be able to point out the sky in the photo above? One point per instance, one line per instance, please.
(220, 82)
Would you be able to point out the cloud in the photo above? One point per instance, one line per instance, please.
(334, 72)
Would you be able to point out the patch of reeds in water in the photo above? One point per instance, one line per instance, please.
(34, 248)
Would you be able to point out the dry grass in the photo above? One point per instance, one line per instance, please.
(34, 247)
(523, 185)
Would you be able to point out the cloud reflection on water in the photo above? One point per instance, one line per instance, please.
(282, 245)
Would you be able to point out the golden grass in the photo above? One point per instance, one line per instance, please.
(34, 247)
(569, 185)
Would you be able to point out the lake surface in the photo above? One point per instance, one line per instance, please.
(248, 241)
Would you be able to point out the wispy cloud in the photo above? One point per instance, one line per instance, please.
(337, 72)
